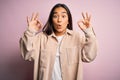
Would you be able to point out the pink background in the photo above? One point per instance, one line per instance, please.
(105, 20)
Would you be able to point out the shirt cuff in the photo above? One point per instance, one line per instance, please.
(89, 31)
(31, 31)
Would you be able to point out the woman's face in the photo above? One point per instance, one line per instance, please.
(60, 21)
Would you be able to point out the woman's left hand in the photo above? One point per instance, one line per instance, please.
(85, 22)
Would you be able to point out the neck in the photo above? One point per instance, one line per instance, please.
(59, 33)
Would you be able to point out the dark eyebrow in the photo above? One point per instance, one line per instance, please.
(57, 12)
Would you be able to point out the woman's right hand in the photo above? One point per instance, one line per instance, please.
(33, 22)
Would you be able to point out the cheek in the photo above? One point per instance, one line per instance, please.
(66, 22)
(54, 22)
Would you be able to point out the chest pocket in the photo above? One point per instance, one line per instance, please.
(45, 58)
(73, 55)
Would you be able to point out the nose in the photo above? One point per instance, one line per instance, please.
(59, 19)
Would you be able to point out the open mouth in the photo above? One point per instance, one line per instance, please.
(59, 26)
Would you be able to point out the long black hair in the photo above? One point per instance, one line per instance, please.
(48, 28)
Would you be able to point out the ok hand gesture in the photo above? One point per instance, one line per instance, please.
(34, 23)
(85, 22)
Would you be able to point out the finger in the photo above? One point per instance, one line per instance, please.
(83, 15)
(89, 18)
(28, 19)
(32, 17)
(38, 21)
(83, 22)
(87, 15)
(36, 16)
(80, 23)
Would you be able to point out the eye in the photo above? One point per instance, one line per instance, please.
(55, 16)
(63, 16)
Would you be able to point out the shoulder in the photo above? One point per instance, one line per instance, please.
(74, 33)
(42, 34)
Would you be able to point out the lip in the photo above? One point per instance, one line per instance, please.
(59, 26)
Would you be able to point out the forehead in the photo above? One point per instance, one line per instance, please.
(59, 10)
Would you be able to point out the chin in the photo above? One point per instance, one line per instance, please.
(59, 30)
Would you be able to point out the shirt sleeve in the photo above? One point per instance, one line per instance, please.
(27, 42)
(89, 48)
